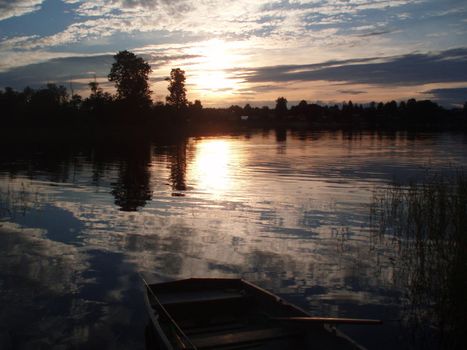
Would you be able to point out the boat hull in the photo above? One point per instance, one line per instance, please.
(232, 314)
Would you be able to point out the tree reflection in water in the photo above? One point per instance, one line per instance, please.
(132, 189)
(427, 224)
(178, 162)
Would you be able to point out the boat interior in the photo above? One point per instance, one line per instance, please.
(232, 314)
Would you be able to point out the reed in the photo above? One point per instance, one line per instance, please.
(426, 222)
(17, 201)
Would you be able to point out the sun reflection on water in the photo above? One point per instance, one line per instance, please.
(213, 166)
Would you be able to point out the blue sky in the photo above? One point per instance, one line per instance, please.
(246, 51)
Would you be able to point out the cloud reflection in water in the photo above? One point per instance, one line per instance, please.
(292, 221)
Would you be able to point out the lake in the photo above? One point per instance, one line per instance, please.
(287, 210)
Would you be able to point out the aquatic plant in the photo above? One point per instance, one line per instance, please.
(426, 222)
(16, 201)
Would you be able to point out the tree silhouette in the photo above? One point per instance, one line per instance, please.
(76, 102)
(130, 75)
(52, 105)
(281, 107)
(247, 109)
(177, 97)
(302, 107)
(28, 93)
(98, 100)
(195, 107)
(48, 101)
(95, 89)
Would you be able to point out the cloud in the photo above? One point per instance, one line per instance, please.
(13, 8)
(410, 69)
(60, 70)
(140, 8)
(74, 68)
(319, 28)
(375, 33)
(352, 92)
(277, 32)
(281, 20)
(449, 96)
(90, 29)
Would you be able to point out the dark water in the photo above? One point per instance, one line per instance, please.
(288, 211)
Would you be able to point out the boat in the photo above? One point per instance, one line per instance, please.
(223, 313)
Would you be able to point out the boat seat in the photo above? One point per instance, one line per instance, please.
(198, 297)
(244, 336)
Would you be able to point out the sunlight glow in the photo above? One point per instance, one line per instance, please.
(216, 57)
(213, 164)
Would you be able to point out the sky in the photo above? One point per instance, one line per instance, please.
(244, 51)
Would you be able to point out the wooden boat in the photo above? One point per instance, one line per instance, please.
(206, 313)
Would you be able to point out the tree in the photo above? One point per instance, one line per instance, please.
(391, 108)
(97, 94)
(98, 100)
(247, 110)
(302, 107)
(196, 107)
(28, 93)
(50, 97)
(96, 90)
(177, 97)
(281, 106)
(235, 110)
(76, 102)
(130, 75)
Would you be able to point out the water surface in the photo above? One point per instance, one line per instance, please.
(286, 210)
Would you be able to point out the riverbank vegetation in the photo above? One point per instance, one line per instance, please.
(53, 106)
(427, 223)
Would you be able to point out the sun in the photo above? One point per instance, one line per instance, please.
(211, 75)
(216, 54)
(215, 82)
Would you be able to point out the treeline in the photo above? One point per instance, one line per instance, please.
(348, 114)
(54, 106)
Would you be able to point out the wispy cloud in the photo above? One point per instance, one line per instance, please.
(411, 69)
(352, 92)
(274, 43)
(281, 20)
(59, 70)
(14, 8)
(74, 68)
(450, 96)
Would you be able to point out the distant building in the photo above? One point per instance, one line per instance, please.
(244, 117)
